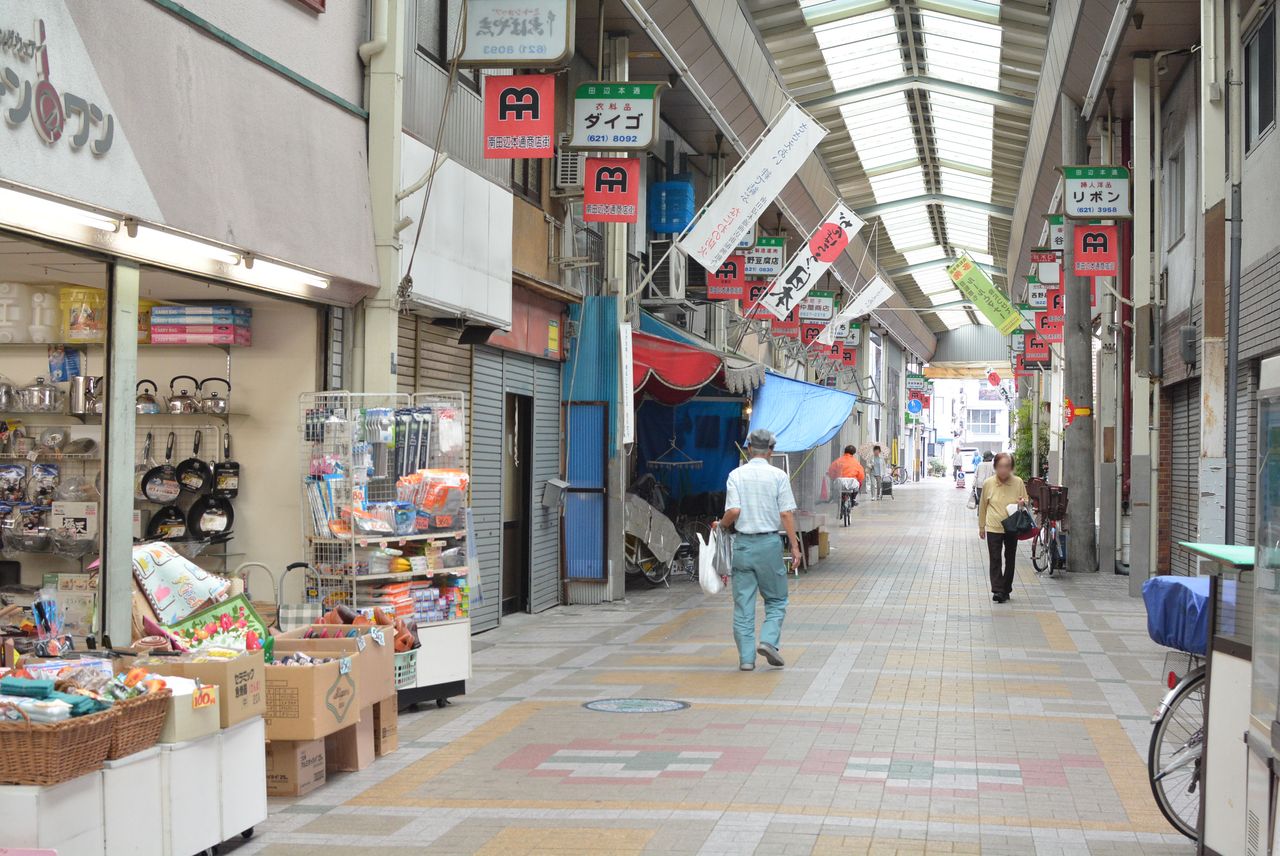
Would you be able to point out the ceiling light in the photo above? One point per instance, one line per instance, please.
(148, 243)
(32, 213)
(277, 276)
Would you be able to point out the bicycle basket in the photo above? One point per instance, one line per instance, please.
(1037, 490)
(1056, 506)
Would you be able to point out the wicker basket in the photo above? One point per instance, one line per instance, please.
(139, 724)
(39, 754)
(1038, 491)
(1056, 507)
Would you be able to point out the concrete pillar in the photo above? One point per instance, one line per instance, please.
(115, 581)
(1144, 440)
(615, 275)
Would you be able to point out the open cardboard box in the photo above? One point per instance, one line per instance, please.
(311, 702)
(376, 665)
(351, 749)
(295, 768)
(386, 726)
(241, 681)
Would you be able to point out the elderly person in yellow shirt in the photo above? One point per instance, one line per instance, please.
(998, 493)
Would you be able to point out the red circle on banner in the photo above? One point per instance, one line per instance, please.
(993, 378)
(828, 242)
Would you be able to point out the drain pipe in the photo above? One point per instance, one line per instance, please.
(1235, 156)
(378, 31)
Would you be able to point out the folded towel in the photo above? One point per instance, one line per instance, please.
(80, 705)
(26, 687)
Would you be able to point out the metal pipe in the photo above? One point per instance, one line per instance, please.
(1235, 160)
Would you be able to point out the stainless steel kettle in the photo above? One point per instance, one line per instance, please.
(147, 404)
(184, 402)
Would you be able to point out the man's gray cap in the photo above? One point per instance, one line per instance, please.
(762, 439)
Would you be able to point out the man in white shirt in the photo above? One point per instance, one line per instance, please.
(758, 504)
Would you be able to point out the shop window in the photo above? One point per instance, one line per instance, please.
(1175, 224)
(526, 179)
(1260, 81)
(437, 36)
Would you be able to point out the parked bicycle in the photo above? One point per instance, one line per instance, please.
(1049, 546)
(898, 474)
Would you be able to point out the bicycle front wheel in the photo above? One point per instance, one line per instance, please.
(1174, 758)
(1039, 552)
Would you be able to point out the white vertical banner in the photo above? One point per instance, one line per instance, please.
(730, 216)
(876, 292)
(812, 260)
(626, 372)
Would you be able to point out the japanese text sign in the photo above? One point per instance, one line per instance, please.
(851, 335)
(617, 116)
(1057, 240)
(1048, 264)
(809, 333)
(1095, 191)
(848, 354)
(754, 183)
(764, 258)
(1037, 293)
(501, 34)
(818, 306)
(519, 116)
(1097, 251)
(611, 190)
(1051, 323)
(812, 260)
(751, 307)
(748, 240)
(1017, 341)
(916, 382)
(876, 292)
(1035, 348)
(979, 290)
(728, 283)
(789, 326)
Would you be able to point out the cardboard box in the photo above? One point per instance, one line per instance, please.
(351, 749)
(386, 726)
(310, 702)
(824, 544)
(241, 682)
(192, 716)
(295, 768)
(376, 665)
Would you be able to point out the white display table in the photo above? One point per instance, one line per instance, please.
(131, 790)
(67, 818)
(243, 776)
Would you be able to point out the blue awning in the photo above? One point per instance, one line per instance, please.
(801, 415)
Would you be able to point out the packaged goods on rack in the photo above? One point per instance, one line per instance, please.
(201, 325)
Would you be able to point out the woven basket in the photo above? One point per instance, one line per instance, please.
(139, 724)
(39, 754)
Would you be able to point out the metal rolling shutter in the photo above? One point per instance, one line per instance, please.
(428, 357)
(1184, 474)
(545, 592)
(486, 484)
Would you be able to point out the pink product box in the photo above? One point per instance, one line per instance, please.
(244, 337)
(201, 329)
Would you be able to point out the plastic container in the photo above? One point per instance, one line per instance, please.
(84, 314)
(44, 315)
(144, 321)
(15, 312)
(406, 665)
(671, 205)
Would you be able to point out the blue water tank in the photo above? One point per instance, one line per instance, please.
(671, 205)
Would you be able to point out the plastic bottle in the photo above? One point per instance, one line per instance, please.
(44, 315)
(15, 312)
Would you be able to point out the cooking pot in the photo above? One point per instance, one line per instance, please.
(210, 402)
(8, 395)
(147, 404)
(183, 402)
(40, 397)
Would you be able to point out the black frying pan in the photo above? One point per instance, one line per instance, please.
(210, 516)
(167, 524)
(161, 484)
(194, 474)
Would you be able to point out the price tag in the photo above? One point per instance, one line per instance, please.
(206, 695)
(344, 666)
(375, 633)
(359, 643)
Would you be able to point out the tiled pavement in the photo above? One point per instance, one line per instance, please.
(914, 717)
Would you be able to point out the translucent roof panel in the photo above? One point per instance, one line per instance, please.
(962, 129)
(958, 182)
(961, 51)
(900, 184)
(953, 318)
(967, 228)
(881, 130)
(861, 50)
(909, 228)
(928, 254)
(935, 284)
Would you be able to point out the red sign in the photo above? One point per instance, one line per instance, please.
(848, 354)
(790, 327)
(611, 190)
(519, 116)
(1042, 256)
(809, 333)
(828, 242)
(1097, 251)
(993, 378)
(730, 282)
(751, 305)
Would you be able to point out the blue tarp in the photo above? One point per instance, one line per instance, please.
(802, 415)
(1178, 612)
(707, 431)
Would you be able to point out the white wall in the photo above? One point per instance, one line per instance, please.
(1260, 197)
(1181, 254)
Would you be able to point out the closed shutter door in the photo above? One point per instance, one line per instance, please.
(545, 592)
(428, 357)
(486, 484)
(1184, 474)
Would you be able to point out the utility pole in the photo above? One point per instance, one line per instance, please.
(1143, 480)
(615, 273)
(1078, 448)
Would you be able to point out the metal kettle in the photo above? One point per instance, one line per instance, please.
(147, 404)
(184, 402)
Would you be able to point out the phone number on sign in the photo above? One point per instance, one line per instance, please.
(507, 50)
(612, 138)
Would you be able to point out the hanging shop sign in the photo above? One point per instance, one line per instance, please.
(1037, 293)
(519, 116)
(809, 333)
(1017, 341)
(1036, 348)
(818, 306)
(978, 289)
(876, 292)
(754, 183)
(626, 370)
(851, 335)
(789, 326)
(748, 240)
(611, 190)
(1096, 191)
(848, 354)
(764, 258)
(1028, 314)
(1057, 235)
(1048, 264)
(916, 382)
(617, 116)
(28, 89)
(751, 307)
(728, 283)
(501, 34)
(1097, 251)
(1051, 323)
(813, 259)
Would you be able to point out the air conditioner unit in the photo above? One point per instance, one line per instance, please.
(670, 280)
(569, 166)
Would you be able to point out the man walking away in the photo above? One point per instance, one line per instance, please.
(847, 466)
(957, 464)
(758, 503)
(877, 472)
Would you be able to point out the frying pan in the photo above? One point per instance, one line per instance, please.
(144, 466)
(194, 474)
(210, 516)
(161, 484)
(226, 473)
(167, 524)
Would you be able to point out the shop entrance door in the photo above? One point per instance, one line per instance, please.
(517, 512)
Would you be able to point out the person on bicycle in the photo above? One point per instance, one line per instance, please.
(877, 472)
(998, 493)
(847, 472)
(758, 503)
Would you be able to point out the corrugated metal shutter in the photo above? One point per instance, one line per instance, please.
(486, 483)
(428, 357)
(1184, 474)
(545, 591)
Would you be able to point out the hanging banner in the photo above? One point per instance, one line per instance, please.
(754, 183)
(979, 290)
(851, 335)
(809, 333)
(818, 306)
(626, 370)
(728, 283)
(1035, 348)
(611, 190)
(617, 117)
(813, 259)
(764, 258)
(1051, 323)
(501, 34)
(1095, 191)
(876, 292)
(1097, 251)
(519, 116)
(1048, 263)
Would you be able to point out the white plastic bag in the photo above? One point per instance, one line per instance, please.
(708, 577)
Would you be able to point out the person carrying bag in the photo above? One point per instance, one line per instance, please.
(1000, 491)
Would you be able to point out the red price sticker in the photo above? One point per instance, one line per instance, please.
(204, 696)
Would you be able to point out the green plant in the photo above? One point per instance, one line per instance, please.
(1022, 442)
(937, 468)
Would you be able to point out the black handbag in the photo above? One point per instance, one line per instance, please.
(1019, 523)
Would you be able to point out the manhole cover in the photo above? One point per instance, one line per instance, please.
(636, 705)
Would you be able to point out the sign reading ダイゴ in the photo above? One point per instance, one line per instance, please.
(812, 260)
(502, 34)
(1095, 191)
(615, 116)
(519, 116)
(611, 190)
(764, 258)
